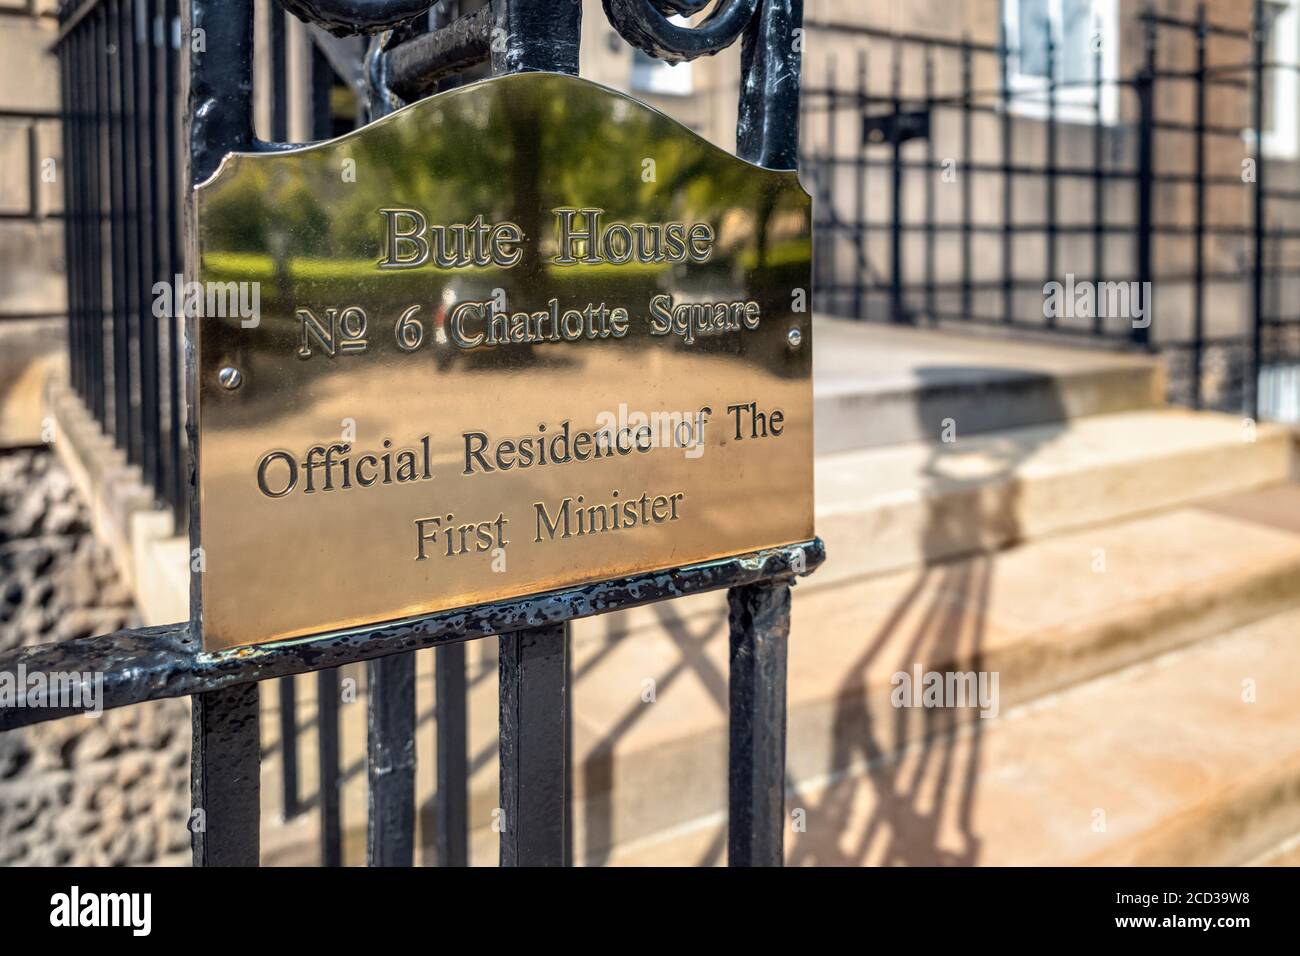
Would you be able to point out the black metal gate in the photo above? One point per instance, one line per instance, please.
(133, 150)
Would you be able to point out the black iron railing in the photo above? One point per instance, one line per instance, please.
(954, 194)
(121, 64)
(120, 69)
(134, 150)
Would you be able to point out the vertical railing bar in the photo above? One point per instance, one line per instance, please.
(1008, 184)
(165, 209)
(391, 754)
(533, 698)
(225, 760)
(117, 169)
(1198, 213)
(1098, 184)
(390, 761)
(74, 220)
(759, 629)
(225, 787)
(89, 230)
(832, 170)
(331, 815)
(760, 615)
(1051, 158)
(327, 681)
(288, 696)
(146, 184)
(1258, 214)
(534, 692)
(77, 200)
(859, 188)
(930, 234)
(568, 746)
(452, 762)
(131, 276)
(897, 307)
(279, 92)
(967, 179)
(179, 496)
(99, 191)
(288, 711)
(767, 125)
(1146, 238)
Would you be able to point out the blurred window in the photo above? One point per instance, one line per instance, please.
(1281, 99)
(655, 76)
(1085, 39)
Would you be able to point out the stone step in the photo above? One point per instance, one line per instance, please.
(1043, 616)
(881, 385)
(888, 508)
(1188, 759)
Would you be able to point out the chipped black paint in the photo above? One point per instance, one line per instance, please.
(155, 662)
(641, 24)
(533, 703)
(350, 17)
(760, 630)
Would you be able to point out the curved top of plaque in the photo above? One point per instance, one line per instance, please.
(406, 313)
(572, 99)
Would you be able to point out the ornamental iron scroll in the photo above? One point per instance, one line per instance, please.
(350, 17)
(645, 25)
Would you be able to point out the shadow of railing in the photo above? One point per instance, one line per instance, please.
(904, 780)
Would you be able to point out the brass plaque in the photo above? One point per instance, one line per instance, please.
(519, 336)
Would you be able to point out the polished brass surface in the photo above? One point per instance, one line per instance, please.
(421, 301)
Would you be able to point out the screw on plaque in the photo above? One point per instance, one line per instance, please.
(795, 338)
(230, 378)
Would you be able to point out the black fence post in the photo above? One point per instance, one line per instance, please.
(1258, 223)
(331, 817)
(224, 763)
(278, 42)
(760, 627)
(1198, 214)
(390, 722)
(1008, 182)
(451, 709)
(534, 701)
(930, 186)
(967, 178)
(898, 309)
(1141, 334)
(1099, 181)
(390, 761)
(225, 778)
(1051, 161)
(859, 194)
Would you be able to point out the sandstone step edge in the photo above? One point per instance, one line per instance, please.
(1252, 821)
(1122, 636)
(922, 524)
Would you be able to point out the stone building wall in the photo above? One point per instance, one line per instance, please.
(107, 790)
(32, 297)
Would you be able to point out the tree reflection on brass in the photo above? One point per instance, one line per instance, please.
(519, 336)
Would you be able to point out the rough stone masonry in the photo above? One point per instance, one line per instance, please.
(105, 791)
